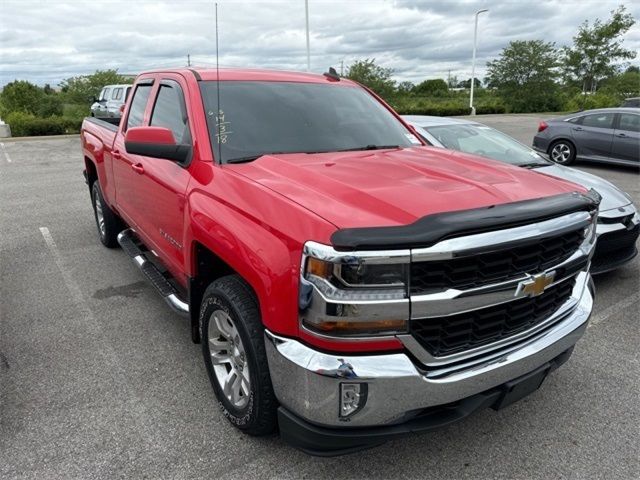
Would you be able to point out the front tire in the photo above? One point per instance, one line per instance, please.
(235, 357)
(107, 222)
(562, 152)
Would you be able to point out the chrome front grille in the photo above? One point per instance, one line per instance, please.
(494, 266)
(456, 333)
(466, 295)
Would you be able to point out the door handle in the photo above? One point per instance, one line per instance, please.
(621, 135)
(578, 129)
(117, 155)
(138, 168)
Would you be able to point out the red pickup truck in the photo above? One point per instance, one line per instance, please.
(347, 283)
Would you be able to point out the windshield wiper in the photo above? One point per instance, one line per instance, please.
(533, 165)
(251, 158)
(369, 147)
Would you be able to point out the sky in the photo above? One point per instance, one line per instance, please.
(45, 42)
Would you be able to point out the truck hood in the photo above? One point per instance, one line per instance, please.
(612, 196)
(395, 187)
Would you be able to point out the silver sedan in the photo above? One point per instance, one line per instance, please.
(618, 219)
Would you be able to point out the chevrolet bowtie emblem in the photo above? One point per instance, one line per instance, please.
(535, 285)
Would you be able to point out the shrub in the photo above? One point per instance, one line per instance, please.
(443, 107)
(49, 105)
(580, 101)
(75, 110)
(25, 124)
(21, 96)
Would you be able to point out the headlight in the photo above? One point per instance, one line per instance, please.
(358, 274)
(354, 294)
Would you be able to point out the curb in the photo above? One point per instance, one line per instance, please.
(43, 137)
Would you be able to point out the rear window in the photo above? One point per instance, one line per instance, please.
(629, 122)
(117, 94)
(138, 105)
(598, 120)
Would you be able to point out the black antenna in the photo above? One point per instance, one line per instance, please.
(332, 75)
(219, 112)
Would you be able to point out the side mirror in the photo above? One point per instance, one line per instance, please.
(156, 142)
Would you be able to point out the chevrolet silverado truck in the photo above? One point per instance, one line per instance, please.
(347, 283)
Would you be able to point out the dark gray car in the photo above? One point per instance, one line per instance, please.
(610, 135)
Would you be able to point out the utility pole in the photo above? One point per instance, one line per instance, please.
(473, 63)
(342, 67)
(306, 14)
(188, 60)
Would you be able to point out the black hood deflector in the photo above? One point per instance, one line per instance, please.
(432, 229)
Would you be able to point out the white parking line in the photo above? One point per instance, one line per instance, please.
(72, 286)
(613, 309)
(4, 150)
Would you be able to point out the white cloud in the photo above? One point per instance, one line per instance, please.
(46, 42)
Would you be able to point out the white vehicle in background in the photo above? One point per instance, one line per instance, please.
(111, 101)
(618, 220)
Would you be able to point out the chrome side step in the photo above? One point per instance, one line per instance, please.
(129, 244)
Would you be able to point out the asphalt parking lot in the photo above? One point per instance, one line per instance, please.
(99, 379)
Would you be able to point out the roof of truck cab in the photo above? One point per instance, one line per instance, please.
(251, 74)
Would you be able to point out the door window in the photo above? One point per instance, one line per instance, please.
(117, 94)
(169, 111)
(598, 120)
(138, 104)
(629, 122)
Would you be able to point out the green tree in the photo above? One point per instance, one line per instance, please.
(405, 88)
(621, 86)
(434, 87)
(21, 96)
(525, 75)
(375, 77)
(467, 83)
(83, 89)
(597, 49)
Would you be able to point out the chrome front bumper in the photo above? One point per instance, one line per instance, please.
(307, 382)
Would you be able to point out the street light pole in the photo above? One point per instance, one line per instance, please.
(306, 13)
(473, 63)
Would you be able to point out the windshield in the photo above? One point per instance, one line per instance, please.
(257, 118)
(486, 142)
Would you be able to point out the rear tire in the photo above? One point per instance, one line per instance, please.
(108, 223)
(235, 356)
(562, 152)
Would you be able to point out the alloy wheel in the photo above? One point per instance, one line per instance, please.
(561, 153)
(99, 215)
(229, 359)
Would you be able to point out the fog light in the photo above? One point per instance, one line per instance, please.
(353, 397)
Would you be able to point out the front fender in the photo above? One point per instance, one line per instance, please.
(259, 234)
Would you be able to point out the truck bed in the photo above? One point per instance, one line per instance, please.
(107, 122)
